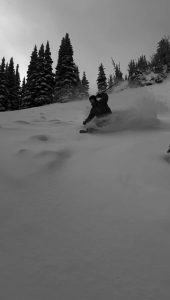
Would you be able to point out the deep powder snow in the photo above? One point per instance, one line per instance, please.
(86, 216)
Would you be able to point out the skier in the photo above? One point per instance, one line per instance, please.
(99, 108)
(103, 98)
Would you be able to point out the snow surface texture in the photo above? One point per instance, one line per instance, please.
(86, 216)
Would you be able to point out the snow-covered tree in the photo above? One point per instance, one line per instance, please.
(3, 87)
(163, 50)
(23, 88)
(18, 86)
(40, 79)
(41, 97)
(110, 83)
(13, 100)
(132, 67)
(101, 79)
(84, 86)
(49, 75)
(78, 86)
(142, 63)
(30, 92)
(66, 72)
(162, 56)
(118, 75)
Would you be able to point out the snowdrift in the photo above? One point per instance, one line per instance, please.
(86, 216)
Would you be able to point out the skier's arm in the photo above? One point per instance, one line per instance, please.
(90, 116)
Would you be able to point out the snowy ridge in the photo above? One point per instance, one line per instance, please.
(86, 216)
(149, 77)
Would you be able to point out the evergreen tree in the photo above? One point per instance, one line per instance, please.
(18, 87)
(154, 61)
(101, 79)
(13, 100)
(3, 87)
(49, 73)
(66, 73)
(118, 75)
(23, 90)
(6, 68)
(142, 63)
(163, 51)
(84, 86)
(40, 79)
(30, 88)
(78, 86)
(110, 83)
(132, 67)
(162, 56)
(44, 79)
(41, 96)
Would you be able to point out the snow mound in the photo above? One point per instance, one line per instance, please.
(46, 160)
(52, 160)
(22, 122)
(41, 138)
(149, 77)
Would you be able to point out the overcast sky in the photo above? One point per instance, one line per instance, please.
(99, 30)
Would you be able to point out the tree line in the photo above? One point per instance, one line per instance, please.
(43, 86)
(157, 63)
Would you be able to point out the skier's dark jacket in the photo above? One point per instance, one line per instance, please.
(103, 97)
(99, 109)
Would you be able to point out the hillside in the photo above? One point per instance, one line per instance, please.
(86, 216)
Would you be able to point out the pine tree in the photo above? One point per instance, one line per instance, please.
(41, 96)
(40, 78)
(84, 86)
(23, 91)
(49, 73)
(131, 68)
(45, 77)
(18, 87)
(101, 79)
(110, 83)
(66, 73)
(162, 56)
(118, 75)
(142, 63)
(78, 86)
(13, 100)
(3, 87)
(163, 51)
(30, 88)
(44, 80)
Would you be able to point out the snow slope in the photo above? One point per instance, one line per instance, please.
(86, 216)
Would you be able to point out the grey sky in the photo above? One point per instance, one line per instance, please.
(99, 30)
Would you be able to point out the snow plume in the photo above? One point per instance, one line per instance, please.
(133, 109)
